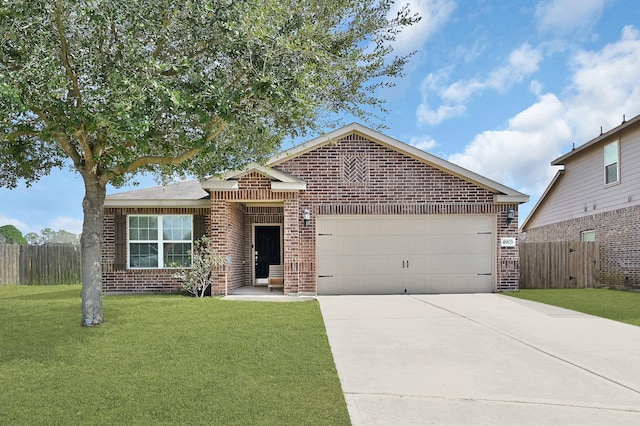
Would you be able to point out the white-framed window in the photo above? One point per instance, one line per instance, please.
(611, 163)
(588, 236)
(159, 241)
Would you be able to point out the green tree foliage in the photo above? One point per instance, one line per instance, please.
(196, 87)
(9, 234)
(49, 236)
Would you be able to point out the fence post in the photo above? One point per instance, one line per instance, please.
(9, 258)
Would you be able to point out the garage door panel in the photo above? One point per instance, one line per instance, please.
(419, 254)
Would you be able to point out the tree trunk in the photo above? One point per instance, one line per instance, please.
(91, 243)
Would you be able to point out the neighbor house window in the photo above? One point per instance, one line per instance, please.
(588, 236)
(158, 241)
(611, 160)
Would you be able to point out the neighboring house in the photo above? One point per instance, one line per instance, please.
(596, 197)
(353, 211)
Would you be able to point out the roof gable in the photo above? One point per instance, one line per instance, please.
(503, 193)
(280, 181)
(542, 199)
(195, 193)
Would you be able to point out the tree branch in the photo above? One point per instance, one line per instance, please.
(216, 126)
(62, 138)
(18, 133)
(64, 54)
(69, 149)
(165, 24)
(86, 148)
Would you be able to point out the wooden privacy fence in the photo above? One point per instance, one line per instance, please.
(566, 264)
(38, 265)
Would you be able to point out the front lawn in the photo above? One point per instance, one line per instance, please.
(164, 360)
(617, 305)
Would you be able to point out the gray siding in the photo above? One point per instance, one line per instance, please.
(581, 192)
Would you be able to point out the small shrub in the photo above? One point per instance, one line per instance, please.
(197, 278)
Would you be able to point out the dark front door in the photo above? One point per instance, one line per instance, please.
(267, 249)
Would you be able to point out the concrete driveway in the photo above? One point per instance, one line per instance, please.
(481, 359)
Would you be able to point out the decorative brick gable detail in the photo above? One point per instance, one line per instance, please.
(355, 169)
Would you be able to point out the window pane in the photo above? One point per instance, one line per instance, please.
(176, 228)
(589, 236)
(611, 172)
(611, 153)
(143, 228)
(177, 255)
(143, 255)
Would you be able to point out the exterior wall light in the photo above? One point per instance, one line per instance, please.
(306, 217)
(511, 214)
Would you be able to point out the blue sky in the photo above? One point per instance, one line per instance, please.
(500, 88)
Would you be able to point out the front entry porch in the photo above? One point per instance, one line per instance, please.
(253, 235)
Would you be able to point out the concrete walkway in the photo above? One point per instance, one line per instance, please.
(481, 359)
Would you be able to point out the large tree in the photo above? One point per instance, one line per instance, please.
(119, 87)
(9, 234)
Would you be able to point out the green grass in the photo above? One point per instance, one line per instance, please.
(164, 360)
(617, 305)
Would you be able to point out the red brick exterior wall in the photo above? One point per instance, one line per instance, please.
(115, 280)
(618, 233)
(354, 176)
(351, 176)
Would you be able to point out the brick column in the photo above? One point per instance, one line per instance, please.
(219, 222)
(291, 246)
(508, 262)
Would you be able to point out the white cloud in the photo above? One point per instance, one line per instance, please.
(424, 142)
(519, 156)
(434, 13)
(565, 17)
(427, 115)
(23, 227)
(605, 85)
(63, 223)
(522, 62)
(59, 223)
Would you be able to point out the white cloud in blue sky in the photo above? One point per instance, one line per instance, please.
(501, 88)
(565, 17)
(434, 14)
(521, 63)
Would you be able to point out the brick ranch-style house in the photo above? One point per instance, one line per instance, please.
(351, 212)
(596, 197)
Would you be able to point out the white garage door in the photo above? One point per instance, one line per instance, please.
(405, 254)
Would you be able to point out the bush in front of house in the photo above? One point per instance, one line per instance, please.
(199, 276)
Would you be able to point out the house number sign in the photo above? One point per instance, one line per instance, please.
(508, 242)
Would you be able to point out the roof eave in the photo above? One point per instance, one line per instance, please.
(131, 203)
(220, 185)
(510, 199)
(560, 161)
(288, 186)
